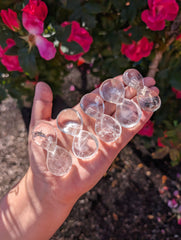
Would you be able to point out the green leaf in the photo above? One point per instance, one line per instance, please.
(72, 4)
(171, 133)
(71, 48)
(129, 12)
(125, 38)
(12, 51)
(4, 36)
(118, 4)
(174, 155)
(93, 8)
(27, 61)
(63, 33)
(160, 153)
(3, 93)
(175, 80)
(89, 20)
(136, 33)
(5, 3)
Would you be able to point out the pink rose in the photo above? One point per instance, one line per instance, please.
(79, 35)
(10, 18)
(35, 28)
(36, 8)
(147, 130)
(177, 93)
(10, 62)
(158, 12)
(137, 50)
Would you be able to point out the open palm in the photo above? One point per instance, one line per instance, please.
(84, 174)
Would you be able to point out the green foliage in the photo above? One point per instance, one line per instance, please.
(27, 61)
(171, 141)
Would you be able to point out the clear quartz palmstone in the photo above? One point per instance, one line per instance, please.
(59, 162)
(112, 90)
(148, 99)
(70, 121)
(108, 129)
(93, 105)
(44, 135)
(85, 145)
(133, 78)
(128, 113)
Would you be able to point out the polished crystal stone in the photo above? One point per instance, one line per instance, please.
(128, 113)
(85, 145)
(133, 78)
(70, 121)
(108, 129)
(59, 162)
(112, 90)
(44, 135)
(148, 99)
(93, 105)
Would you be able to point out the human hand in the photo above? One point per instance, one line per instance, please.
(84, 173)
(37, 206)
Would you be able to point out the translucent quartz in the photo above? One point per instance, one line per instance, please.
(148, 99)
(128, 113)
(112, 90)
(92, 105)
(85, 145)
(108, 129)
(133, 78)
(59, 162)
(70, 121)
(44, 135)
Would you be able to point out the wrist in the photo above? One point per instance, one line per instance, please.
(29, 212)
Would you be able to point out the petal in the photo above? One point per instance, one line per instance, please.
(36, 8)
(32, 24)
(10, 43)
(10, 18)
(45, 47)
(11, 63)
(1, 52)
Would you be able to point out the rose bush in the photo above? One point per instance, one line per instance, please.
(40, 40)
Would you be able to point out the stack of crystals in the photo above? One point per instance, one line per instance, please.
(147, 98)
(59, 160)
(128, 113)
(85, 144)
(106, 127)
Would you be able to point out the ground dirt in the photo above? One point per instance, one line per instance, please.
(129, 203)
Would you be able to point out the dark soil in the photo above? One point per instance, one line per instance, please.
(128, 203)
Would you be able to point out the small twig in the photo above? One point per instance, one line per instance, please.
(153, 68)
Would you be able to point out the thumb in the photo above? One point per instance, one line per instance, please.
(42, 103)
